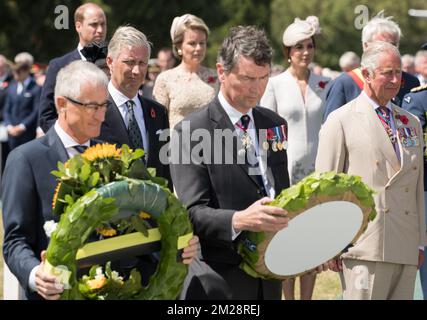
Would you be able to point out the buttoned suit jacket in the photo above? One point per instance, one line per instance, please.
(212, 193)
(48, 114)
(113, 130)
(353, 140)
(22, 108)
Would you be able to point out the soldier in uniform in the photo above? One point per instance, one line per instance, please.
(416, 103)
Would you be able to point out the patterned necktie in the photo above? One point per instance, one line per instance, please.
(80, 148)
(134, 132)
(384, 115)
(245, 119)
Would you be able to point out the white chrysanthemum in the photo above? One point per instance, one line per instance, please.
(115, 276)
(49, 227)
(99, 273)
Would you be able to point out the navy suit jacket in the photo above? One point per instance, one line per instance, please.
(3, 93)
(343, 89)
(212, 193)
(416, 103)
(48, 114)
(27, 193)
(22, 108)
(114, 130)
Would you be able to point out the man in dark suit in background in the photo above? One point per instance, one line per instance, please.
(5, 78)
(27, 183)
(21, 106)
(133, 119)
(349, 85)
(226, 198)
(91, 26)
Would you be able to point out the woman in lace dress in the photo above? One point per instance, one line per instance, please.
(190, 85)
(296, 95)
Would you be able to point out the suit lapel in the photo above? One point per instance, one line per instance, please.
(375, 130)
(150, 126)
(116, 122)
(55, 148)
(221, 121)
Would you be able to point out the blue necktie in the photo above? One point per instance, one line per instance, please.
(80, 148)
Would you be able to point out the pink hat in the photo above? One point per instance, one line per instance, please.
(301, 30)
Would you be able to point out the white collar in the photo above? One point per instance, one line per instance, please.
(374, 104)
(118, 97)
(80, 47)
(232, 113)
(66, 139)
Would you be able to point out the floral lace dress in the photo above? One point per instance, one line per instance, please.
(183, 92)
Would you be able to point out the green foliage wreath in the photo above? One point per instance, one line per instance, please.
(310, 191)
(108, 190)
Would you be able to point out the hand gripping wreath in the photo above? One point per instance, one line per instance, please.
(328, 212)
(109, 190)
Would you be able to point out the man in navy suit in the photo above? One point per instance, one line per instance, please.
(133, 119)
(349, 85)
(91, 26)
(5, 79)
(27, 184)
(21, 106)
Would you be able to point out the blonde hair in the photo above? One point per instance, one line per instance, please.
(182, 24)
(127, 36)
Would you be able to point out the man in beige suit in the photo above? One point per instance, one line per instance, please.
(372, 138)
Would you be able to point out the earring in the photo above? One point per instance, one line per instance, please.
(179, 52)
(289, 60)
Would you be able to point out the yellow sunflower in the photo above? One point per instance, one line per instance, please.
(144, 215)
(55, 195)
(107, 232)
(102, 151)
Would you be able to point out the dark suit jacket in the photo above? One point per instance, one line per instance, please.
(27, 192)
(343, 89)
(416, 103)
(114, 130)
(48, 114)
(23, 108)
(212, 193)
(3, 93)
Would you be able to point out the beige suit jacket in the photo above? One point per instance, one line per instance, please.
(353, 140)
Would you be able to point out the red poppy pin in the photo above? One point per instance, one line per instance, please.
(153, 113)
(322, 84)
(211, 79)
(404, 119)
(5, 84)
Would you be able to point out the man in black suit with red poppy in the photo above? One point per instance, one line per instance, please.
(133, 119)
(91, 26)
(227, 198)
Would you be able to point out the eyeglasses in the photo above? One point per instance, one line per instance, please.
(91, 107)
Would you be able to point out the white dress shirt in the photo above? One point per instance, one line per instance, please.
(235, 116)
(120, 100)
(80, 47)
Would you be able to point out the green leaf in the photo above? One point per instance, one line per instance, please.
(85, 172)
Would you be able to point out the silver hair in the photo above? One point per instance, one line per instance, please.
(246, 41)
(371, 55)
(420, 54)
(408, 58)
(71, 78)
(127, 36)
(380, 25)
(349, 58)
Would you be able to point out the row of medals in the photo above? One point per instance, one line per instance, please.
(276, 145)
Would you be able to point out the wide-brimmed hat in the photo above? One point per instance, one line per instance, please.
(301, 30)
